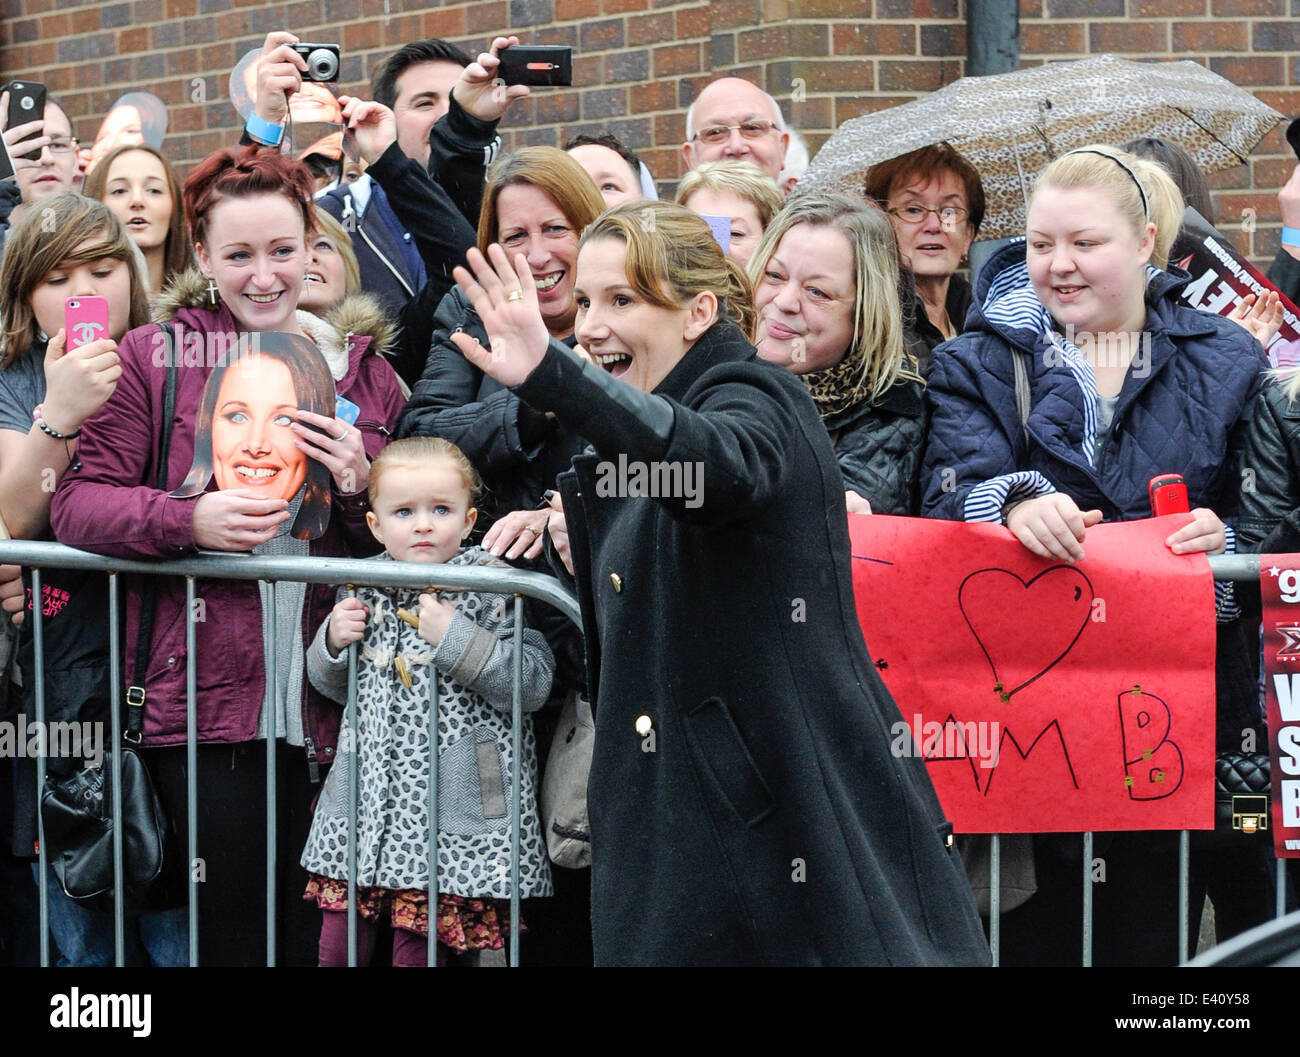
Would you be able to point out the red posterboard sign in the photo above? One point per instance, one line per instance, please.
(1046, 697)
(1279, 588)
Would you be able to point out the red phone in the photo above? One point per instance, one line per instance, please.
(85, 319)
(1168, 493)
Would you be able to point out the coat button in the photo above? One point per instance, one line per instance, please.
(171, 660)
(329, 750)
(617, 581)
(643, 725)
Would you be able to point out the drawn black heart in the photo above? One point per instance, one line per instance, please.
(1025, 628)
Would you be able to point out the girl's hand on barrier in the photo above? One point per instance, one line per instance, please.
(1203, 534)
(237, 519)
(1052, 526)
(13, 598)
(855, 503)
(558, 529)
(347, 625)
(78, 383)
(517, 535)
(340, 448)
(435, 618)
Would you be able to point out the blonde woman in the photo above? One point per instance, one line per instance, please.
(1119, 383)
(737, 190)
(730, 740)
(827, 290)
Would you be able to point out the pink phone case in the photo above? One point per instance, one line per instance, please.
(85, 320)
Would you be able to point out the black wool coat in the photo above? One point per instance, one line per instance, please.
(756, 814)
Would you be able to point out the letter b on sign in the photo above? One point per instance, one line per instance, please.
(1153, 765)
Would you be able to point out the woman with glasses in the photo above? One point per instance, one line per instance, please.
(936, 202)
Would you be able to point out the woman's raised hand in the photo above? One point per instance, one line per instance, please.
(373, 125)
(506, 301)
(1261, 317)
(279, 75)
(1052, 526)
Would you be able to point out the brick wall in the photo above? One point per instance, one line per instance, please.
(640, 62)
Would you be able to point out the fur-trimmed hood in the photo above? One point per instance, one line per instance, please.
(359, 316)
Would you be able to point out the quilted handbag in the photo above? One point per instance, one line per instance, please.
(1241, 799)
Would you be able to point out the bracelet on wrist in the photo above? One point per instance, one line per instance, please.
(1291, 237)
(265, 132)
(46, 428)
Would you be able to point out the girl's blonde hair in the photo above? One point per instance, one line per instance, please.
(672, 256)
(1142, 190)
(337, 233)
(741, 178)
(417, 450)
(48, 236)
(878, 336)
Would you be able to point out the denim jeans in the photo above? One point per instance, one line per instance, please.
(84, 935)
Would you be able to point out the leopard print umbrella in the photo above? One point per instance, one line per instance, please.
(1011, 125)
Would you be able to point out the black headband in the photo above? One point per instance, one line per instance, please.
(1146, 206)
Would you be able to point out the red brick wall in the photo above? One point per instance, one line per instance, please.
(640, 62)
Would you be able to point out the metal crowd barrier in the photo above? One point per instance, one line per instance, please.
(361, 572)
(350, 571)
(1224, 567)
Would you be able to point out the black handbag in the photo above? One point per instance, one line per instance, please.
(1241, 799)
(77, 810)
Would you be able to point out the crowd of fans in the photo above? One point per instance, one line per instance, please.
(513, 319)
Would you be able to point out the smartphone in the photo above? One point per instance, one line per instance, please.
(721, 228)
(85, 319)
(346, 410)
(6, 162)
(26, 104)
(1168, 493)
(536, 64)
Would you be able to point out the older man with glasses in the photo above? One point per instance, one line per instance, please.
(734, 119)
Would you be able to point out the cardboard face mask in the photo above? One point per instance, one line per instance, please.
(135, 118)
(243, 437)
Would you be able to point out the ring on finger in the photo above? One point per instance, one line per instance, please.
(515, 295)
(529, 528)
(343, 435)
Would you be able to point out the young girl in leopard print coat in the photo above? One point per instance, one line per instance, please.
(421, 495)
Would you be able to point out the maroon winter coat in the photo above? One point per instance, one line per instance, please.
(104, 505)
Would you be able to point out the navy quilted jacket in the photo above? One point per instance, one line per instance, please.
(1182, 409)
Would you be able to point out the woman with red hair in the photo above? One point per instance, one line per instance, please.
(249, 214)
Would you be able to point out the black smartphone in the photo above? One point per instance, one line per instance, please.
(1293, 136)
(536, 64)
(26, 104)
(322, 61)
(6, 163)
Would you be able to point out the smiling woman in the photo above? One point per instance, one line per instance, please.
(1046, 417)
(773, 754)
